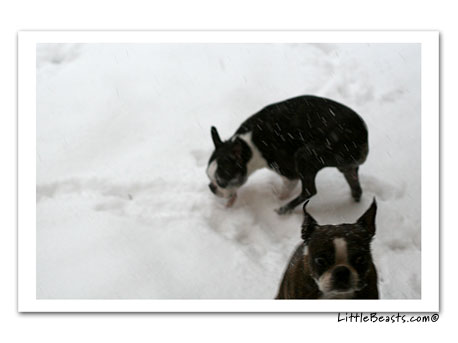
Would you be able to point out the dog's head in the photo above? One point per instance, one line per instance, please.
(227, 167)
(340, 255)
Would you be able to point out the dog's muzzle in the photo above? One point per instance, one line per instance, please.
(341, 277)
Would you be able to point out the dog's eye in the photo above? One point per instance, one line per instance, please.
(220, 182)
(320, 261)
(360, 259)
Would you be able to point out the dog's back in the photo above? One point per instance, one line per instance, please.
(281, 129)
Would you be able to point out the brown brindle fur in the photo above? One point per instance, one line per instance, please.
(298, 284)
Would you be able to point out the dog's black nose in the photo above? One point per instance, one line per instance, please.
(341, 277)
(212, 188)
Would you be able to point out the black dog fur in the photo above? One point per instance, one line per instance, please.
(296, 138)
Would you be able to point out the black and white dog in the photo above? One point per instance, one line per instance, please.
(296, 138)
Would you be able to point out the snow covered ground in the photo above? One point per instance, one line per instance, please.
(123, 139)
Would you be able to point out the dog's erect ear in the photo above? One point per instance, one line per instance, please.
(367, 220)
(215, 136)
(308, 225)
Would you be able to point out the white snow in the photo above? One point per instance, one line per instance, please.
(123, 140)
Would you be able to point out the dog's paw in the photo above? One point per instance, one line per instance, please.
(356, 195)
(284, 210)
(231, 200)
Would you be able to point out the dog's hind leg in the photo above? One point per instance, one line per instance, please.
(351, 175)
(309, 161)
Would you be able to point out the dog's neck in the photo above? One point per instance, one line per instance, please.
(256, 161)
(337, 295)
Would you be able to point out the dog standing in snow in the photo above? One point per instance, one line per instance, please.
(295, 138)
(333, 262)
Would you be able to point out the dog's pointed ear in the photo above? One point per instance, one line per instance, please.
(308, 225)
(215, 136)
(367, 220)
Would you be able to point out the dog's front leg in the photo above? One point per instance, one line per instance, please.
(308, 190)
(307, 167)
(287, 187)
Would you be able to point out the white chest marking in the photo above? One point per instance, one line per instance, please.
(341, 250)
(257, 161)
(306, 251)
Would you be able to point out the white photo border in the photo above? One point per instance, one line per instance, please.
(27, 301)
